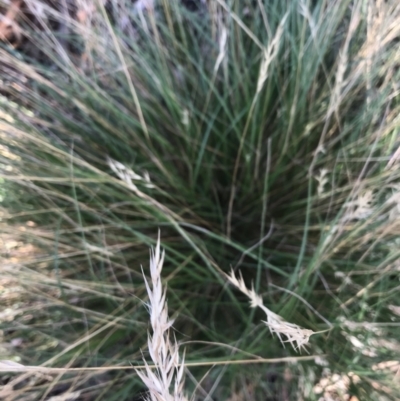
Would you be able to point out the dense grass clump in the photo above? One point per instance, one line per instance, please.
(256, 135)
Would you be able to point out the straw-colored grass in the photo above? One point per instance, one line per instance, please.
(163, 351)
(295, 335)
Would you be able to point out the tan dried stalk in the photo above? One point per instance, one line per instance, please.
(269, 54)
(295, 335)
(163, 352)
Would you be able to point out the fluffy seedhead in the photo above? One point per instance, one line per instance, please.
(169, 373)
(295, 335)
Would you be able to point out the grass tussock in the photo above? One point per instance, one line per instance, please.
(259, 136)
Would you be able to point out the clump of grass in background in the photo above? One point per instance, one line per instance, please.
(262, 136)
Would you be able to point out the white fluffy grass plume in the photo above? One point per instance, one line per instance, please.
(167, 381)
